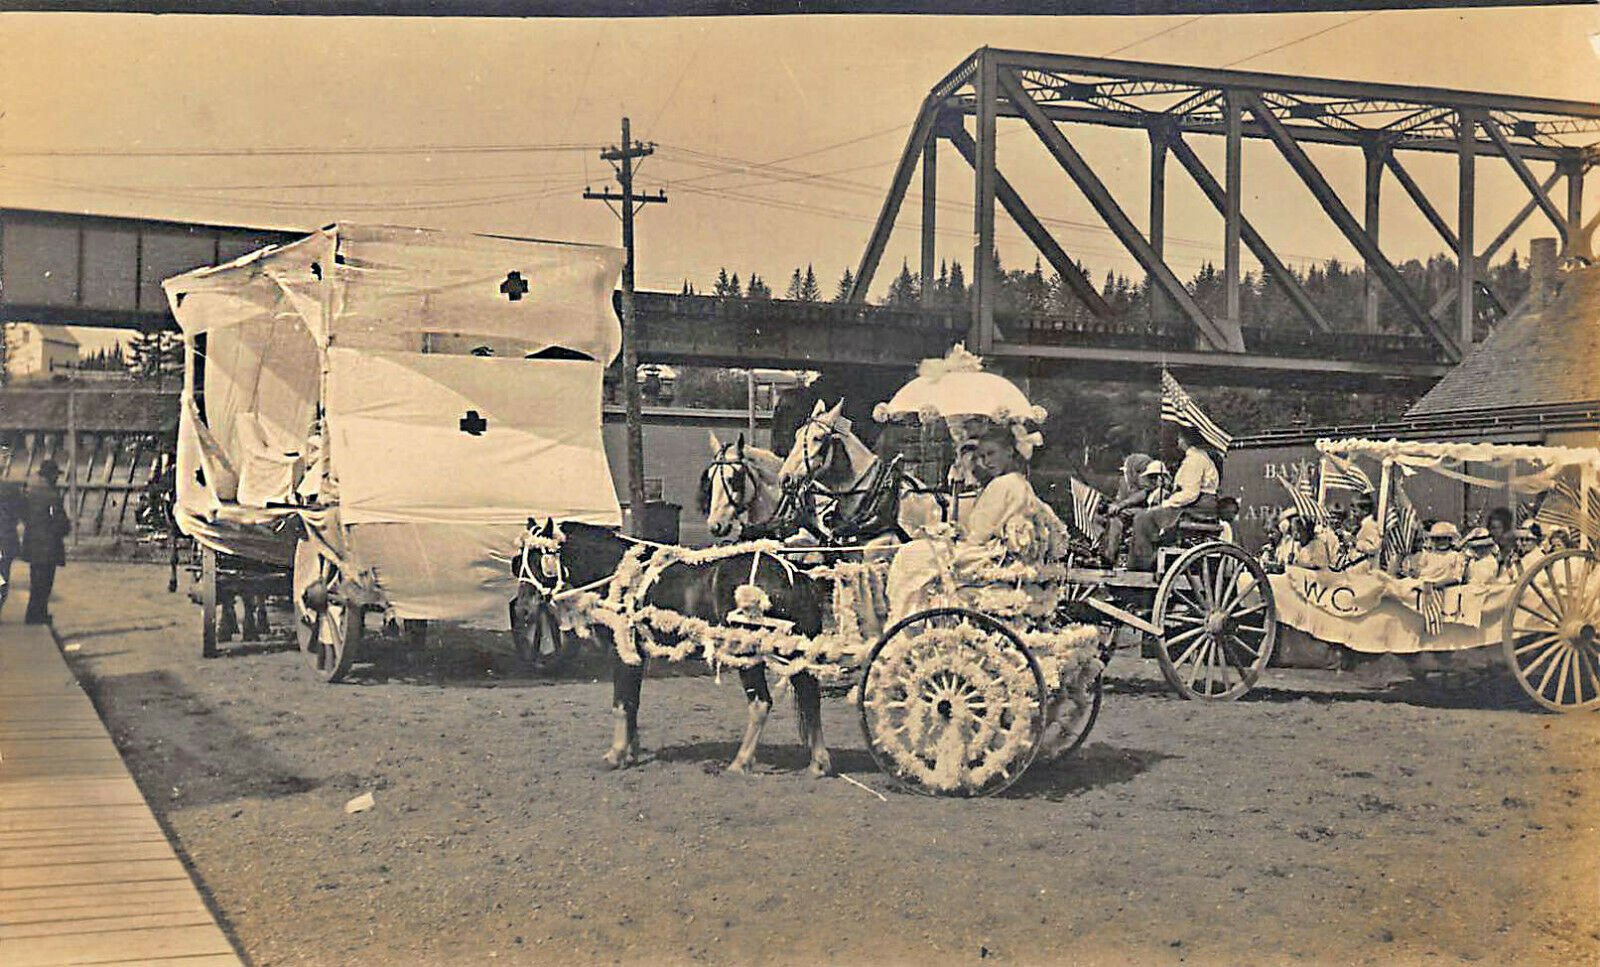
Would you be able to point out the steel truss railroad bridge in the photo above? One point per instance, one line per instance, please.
(93, 270)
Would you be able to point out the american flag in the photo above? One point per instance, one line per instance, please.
(1177, 406)
(1305, 499)
(1399, 526)
(1562, 509)
(1341, 474)
(1431, 601)
(1086, 502)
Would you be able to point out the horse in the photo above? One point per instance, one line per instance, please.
(871, 497)
(741, 488)
(574, 555)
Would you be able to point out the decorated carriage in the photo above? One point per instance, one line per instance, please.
(369, 414)
(956, 694)
(1535, 608)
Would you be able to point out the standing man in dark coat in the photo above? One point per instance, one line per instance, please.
(44, 540)
(11, 510)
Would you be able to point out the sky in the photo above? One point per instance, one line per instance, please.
(776, 135)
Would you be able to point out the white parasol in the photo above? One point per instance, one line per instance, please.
(955, 388)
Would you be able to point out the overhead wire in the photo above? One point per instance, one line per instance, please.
(1298, 40)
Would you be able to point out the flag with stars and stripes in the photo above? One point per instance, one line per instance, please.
(1563, 509)
(1431, 601)
(1304, 497)
(1399, 527)
(1177, 406)
(1086, 503)
(1341, 474)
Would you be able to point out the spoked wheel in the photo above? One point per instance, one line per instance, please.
(544, 648)
(327, 628)
(952, 703)
(208, 603)
(1218, 622)
(1079, 730)
(1551, 631)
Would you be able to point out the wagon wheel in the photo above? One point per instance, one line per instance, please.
(1080, 733)
(549, 649)
(952, 703)
(1218, 622)
(1551, 631)
(208, 602)
(326, 626)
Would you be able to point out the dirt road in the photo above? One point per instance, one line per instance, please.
(1328, 822)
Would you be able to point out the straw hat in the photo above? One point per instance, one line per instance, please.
(1444, 528)
(1155, 467)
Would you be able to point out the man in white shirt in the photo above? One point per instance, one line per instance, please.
(1194, 493)
(1368, 538)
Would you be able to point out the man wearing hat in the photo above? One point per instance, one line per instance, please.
(44, 546)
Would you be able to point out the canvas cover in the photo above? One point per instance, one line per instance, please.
(407, 339)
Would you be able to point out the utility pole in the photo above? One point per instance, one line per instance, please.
(622, 159)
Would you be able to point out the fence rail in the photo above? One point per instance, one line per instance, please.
(108, 452)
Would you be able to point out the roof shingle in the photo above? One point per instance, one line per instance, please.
(1546, 357)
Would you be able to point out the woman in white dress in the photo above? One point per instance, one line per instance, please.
(1007, 517)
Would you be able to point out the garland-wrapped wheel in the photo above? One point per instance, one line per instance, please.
(326, 626)
(952, 703)
(1218, 621)
(1551, 631)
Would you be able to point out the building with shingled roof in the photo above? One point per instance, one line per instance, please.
(1536, 379)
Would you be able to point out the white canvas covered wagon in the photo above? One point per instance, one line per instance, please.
(382, 409)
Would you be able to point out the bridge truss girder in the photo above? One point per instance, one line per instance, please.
(1170, 102)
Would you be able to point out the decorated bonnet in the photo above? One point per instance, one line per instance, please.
(957, 390)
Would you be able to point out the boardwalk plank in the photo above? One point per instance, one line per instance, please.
(87, 875)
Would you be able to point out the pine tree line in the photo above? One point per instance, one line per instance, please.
(1337, 290)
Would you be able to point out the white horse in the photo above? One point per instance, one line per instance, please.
(830, 458)
(740, 488)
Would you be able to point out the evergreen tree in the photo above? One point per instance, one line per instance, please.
(757, 289)
(809, 290)
(904, 290)
(846, 283)
(792, 293)
(724, 288)
(735, 290)
(956, 294)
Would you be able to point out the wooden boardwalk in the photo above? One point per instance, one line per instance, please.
(86, 874)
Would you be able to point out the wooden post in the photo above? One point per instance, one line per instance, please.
(72, 461)
(1383, 505)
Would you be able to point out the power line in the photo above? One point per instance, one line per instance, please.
(292, 152)
(1297, 40)
(1159, 33)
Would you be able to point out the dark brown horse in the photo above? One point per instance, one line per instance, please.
(582, 554)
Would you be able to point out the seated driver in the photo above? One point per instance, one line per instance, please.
(1194, 494)
(1006, 516)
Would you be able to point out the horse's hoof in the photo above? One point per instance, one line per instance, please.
(613, 760)
(821, 768)
(737, 768)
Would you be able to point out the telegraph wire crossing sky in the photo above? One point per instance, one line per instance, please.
(776, 136)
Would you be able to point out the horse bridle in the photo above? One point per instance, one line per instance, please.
(529, 573)
(738, 497)
(831, 440)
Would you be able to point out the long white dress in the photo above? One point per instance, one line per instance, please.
(1007, 517)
